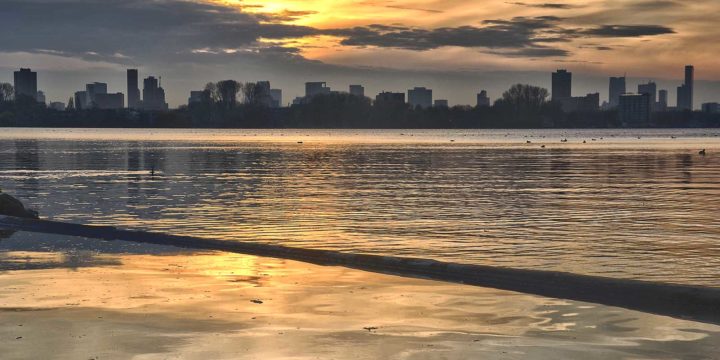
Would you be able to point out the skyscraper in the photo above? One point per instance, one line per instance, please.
(153, 95)
(357, 90)
(483, 99)
(662, 103)
(617, 88)
(651, 89)
(685, 92)
(561, 85)
(315, 88)
(133, 90)
(421, 97)
(93, 90)
(276, 95)
(26, 83)
(634, 109)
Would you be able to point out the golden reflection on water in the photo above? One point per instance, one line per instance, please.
(201, 305)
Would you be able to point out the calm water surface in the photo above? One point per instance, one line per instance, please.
(639, 204)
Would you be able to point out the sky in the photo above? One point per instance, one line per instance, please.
(455, 47)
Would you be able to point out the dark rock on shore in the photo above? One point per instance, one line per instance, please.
(11, 206)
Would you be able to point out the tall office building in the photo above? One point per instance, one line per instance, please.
(685, 92)
(82, 102)
(483, 99)
(651, 89)
(133, 89)
(26, 83)
(276, 96)
(561, 85)
(421, 97)
(316, 88)
(264, 93)
(617, 88)
(93, 90)
(357, 90)
(662, 103)
(109, 101)
(389, 98)
(40, 97)
(195, 97)
(153, 95)
(634, 109)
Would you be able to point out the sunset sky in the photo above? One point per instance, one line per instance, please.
(457, 47)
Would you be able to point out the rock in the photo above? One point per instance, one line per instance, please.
(11, 206)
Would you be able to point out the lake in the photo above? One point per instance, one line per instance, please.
(637, 204)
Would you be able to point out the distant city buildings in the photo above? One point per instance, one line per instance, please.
(153, 95)
(133, 89)
(617, 88)
(40, 97)
(662, 104)
(685, 92)
(93, 90)
(649, 88)
(483, 99)
(25, 83)
(711, 108)
(390, 98)
(357, 90)
(634, 109)
(420, 97)
(441, 103)
(109, 101)
(561, 85)
(56, 105)
(195, 97)
(313, 89)
(276, 97)
(82, 101)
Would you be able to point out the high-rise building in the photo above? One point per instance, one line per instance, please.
(313, 89)
(617, 88)
(651, 89)
(561, 85)
(93, 90)
(153, 95)
(109, 101)
(587, 103)
(26, 83)
(276, 96)
(133, 89)
(662, 103)
(711, 108)
(483, 99)
(82, 101)
(40, 97)
(420, 96)
(195, 97)
(634, 109)
(441, 103)
(357, 90)
(685, 92)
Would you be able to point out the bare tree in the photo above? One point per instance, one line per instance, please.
(228, 91)
(7, 92)
(211, 95)
(256, 94)
(525, 97)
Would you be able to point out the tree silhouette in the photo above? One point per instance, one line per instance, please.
(228, 91)
(7, 92)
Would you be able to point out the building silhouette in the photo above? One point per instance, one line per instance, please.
(617, 88)
(561, 85)
(662, 104)
(390, 98)
(133, 89)
(195, 97)
(685, 92)
(40, 97)
(153, 95)
(634, 109)
(587, 103)
(711, 108)
(420, 96)
(357, 90)
(93, 90)
(109, 101)
(25, 82)
(276, 97)
(483, 99)
(313, 89)
(651, 89)
(441, 103)
(56, 105)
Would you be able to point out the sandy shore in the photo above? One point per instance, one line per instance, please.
(83, 305)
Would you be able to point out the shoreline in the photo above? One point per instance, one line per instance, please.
(680, 301)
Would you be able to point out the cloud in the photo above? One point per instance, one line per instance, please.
(557, 6)
(627, 30)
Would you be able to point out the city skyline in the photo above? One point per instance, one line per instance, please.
(456, 48)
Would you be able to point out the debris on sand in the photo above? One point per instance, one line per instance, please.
(256, 301)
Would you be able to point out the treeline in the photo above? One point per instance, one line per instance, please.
(230, 104)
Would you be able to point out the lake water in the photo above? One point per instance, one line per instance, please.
(640, 204)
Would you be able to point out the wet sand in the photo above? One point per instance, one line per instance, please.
(84, 305)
